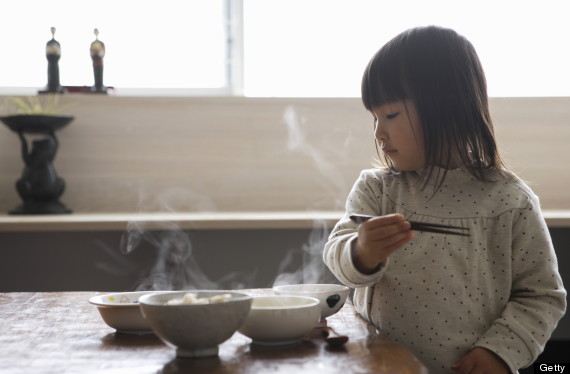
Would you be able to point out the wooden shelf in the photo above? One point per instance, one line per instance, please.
(195, 221)
(557, 218)
(168, 221)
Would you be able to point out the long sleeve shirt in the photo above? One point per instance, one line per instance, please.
(441, 295)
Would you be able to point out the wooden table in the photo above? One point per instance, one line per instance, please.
(62, 333)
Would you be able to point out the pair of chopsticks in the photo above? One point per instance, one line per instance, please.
(420, 226)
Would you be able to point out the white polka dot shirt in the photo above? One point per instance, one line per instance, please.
(441, 295)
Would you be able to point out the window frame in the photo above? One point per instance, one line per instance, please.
(233, 20)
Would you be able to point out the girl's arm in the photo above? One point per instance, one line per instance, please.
(538, 297)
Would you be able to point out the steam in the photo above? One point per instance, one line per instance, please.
(312, 269)
(119, 264)
(175, 267)
(326, 161)
(175, 199)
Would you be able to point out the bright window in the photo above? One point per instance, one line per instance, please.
(171, 45)
(298, 48)
(321, 47)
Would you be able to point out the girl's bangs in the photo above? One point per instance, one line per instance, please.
(382, 83)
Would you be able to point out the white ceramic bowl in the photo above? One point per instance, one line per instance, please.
(195, 330)
(280, 319)
(121, 311)
(331, 296)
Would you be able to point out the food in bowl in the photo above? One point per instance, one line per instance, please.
(195, 329)
(193, 298)
(331, 296)
(281, 319)
(121, 311)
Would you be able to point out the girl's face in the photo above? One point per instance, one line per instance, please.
(398, 130)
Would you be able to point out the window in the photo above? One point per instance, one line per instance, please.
(174, 46)
(321, 47)
(273, 47)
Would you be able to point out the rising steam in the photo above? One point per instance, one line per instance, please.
(325, 158)
(312, 269)
(175, 267)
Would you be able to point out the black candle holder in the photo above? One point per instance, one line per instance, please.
(39, 187)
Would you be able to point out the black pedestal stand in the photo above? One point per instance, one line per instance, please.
(39, 187)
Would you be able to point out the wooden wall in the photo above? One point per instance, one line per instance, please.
(134, 154)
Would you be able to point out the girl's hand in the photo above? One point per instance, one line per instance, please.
(377, 239)
(479, 361)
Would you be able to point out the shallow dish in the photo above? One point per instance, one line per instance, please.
(121, 311)
(36, 123)
(281, 319)
(195, 330)
(331, 296)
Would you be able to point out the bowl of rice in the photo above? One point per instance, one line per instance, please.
(195, 322)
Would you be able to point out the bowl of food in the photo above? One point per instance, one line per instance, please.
(195, 322)
(281, 319)
(121, 311)
(331, 296)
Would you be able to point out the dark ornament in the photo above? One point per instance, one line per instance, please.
(53, 54)
(39, 186)
(97, 51)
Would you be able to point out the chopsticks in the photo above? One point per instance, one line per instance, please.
(420, 226)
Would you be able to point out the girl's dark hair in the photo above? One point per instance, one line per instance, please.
(440, 72)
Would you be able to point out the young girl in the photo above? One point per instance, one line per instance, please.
(486, 303)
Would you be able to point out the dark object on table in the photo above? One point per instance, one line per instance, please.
(39, 187)
(333, 339)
